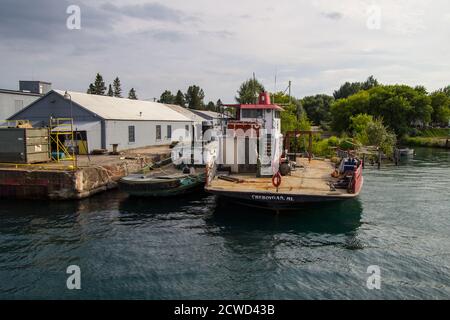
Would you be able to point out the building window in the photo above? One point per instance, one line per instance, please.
(158, 132)
(186, 133)
(252, 113)
(131, 134)
(169, 132)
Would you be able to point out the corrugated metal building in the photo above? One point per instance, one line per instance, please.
(13, 101)
(106, 121)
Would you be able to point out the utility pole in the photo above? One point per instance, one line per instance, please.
(290, 98)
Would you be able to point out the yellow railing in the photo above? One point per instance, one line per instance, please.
(63, 127)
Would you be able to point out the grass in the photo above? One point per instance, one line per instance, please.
(435, 133)
(431, 142)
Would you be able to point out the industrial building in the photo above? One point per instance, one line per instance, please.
(13, 101)
(103, 122)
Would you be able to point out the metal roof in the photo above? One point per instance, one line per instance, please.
(110, 108)
(209, 115)
(23, 93)
(187, 113)
(255, 106)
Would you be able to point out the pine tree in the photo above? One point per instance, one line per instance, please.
(194, 98)
(110, 91)
(117, 88)
(132, 95)
(99, 85)
(219, 105)
(179, 99)
(167, 97)
(211, 106)
(249, 91)
(91, 89)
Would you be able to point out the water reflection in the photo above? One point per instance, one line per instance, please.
(332, 218)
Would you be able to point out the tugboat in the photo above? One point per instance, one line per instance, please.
(253, 169)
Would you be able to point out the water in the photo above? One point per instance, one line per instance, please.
(196, 248)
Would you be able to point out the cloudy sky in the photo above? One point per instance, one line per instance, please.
(171, 44)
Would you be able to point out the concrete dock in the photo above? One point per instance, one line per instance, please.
(60, 181)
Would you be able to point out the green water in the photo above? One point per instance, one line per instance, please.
(199, 248)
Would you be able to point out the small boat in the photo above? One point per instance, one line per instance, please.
(406, 152)
(163, 183)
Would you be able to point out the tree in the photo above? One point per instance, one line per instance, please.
(98, 88)
(91, 89)
(400, 107)
(318, 108)
(179, 99)
(219, 106)
(348, 89)
(117, 88)
(211, 106)
(446, 90)
(194, 97)
(294, 116)
(379, 136)
(249, 91)
(441, 108)
(167, 97)
(370, 83)
(359, 126)
(132, 94)
(110, 91)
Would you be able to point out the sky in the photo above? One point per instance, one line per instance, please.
(171, 44)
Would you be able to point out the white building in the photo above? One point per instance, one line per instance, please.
(13, 101)
(105, 121)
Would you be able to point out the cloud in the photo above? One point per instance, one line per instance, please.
(154, 46)
(154, 11)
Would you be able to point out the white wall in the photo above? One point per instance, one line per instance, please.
(145, 133)
(94, 136)
(8, 103)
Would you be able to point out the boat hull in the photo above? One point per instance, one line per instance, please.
(165, 189)
(281, 201)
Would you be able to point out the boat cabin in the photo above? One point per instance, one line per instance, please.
(253, 142)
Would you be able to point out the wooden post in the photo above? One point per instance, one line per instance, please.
(310, 146)
(379, 159)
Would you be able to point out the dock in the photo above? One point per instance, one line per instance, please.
(62, 181)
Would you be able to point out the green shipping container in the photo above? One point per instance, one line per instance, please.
(24, 146)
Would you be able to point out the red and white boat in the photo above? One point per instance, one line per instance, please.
(252, 168)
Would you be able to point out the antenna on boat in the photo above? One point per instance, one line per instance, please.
(254, 88)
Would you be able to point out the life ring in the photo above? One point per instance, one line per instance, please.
(276, 180)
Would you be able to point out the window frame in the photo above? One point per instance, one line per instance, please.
(158, 132)
(131, 134)
(169, 132)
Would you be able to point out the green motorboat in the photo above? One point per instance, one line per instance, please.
(163, 184)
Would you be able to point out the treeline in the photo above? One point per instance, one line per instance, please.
(401, 108)
(98, 87)
(192, 99)
(364, 113)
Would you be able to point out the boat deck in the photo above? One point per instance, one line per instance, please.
(309, 179)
